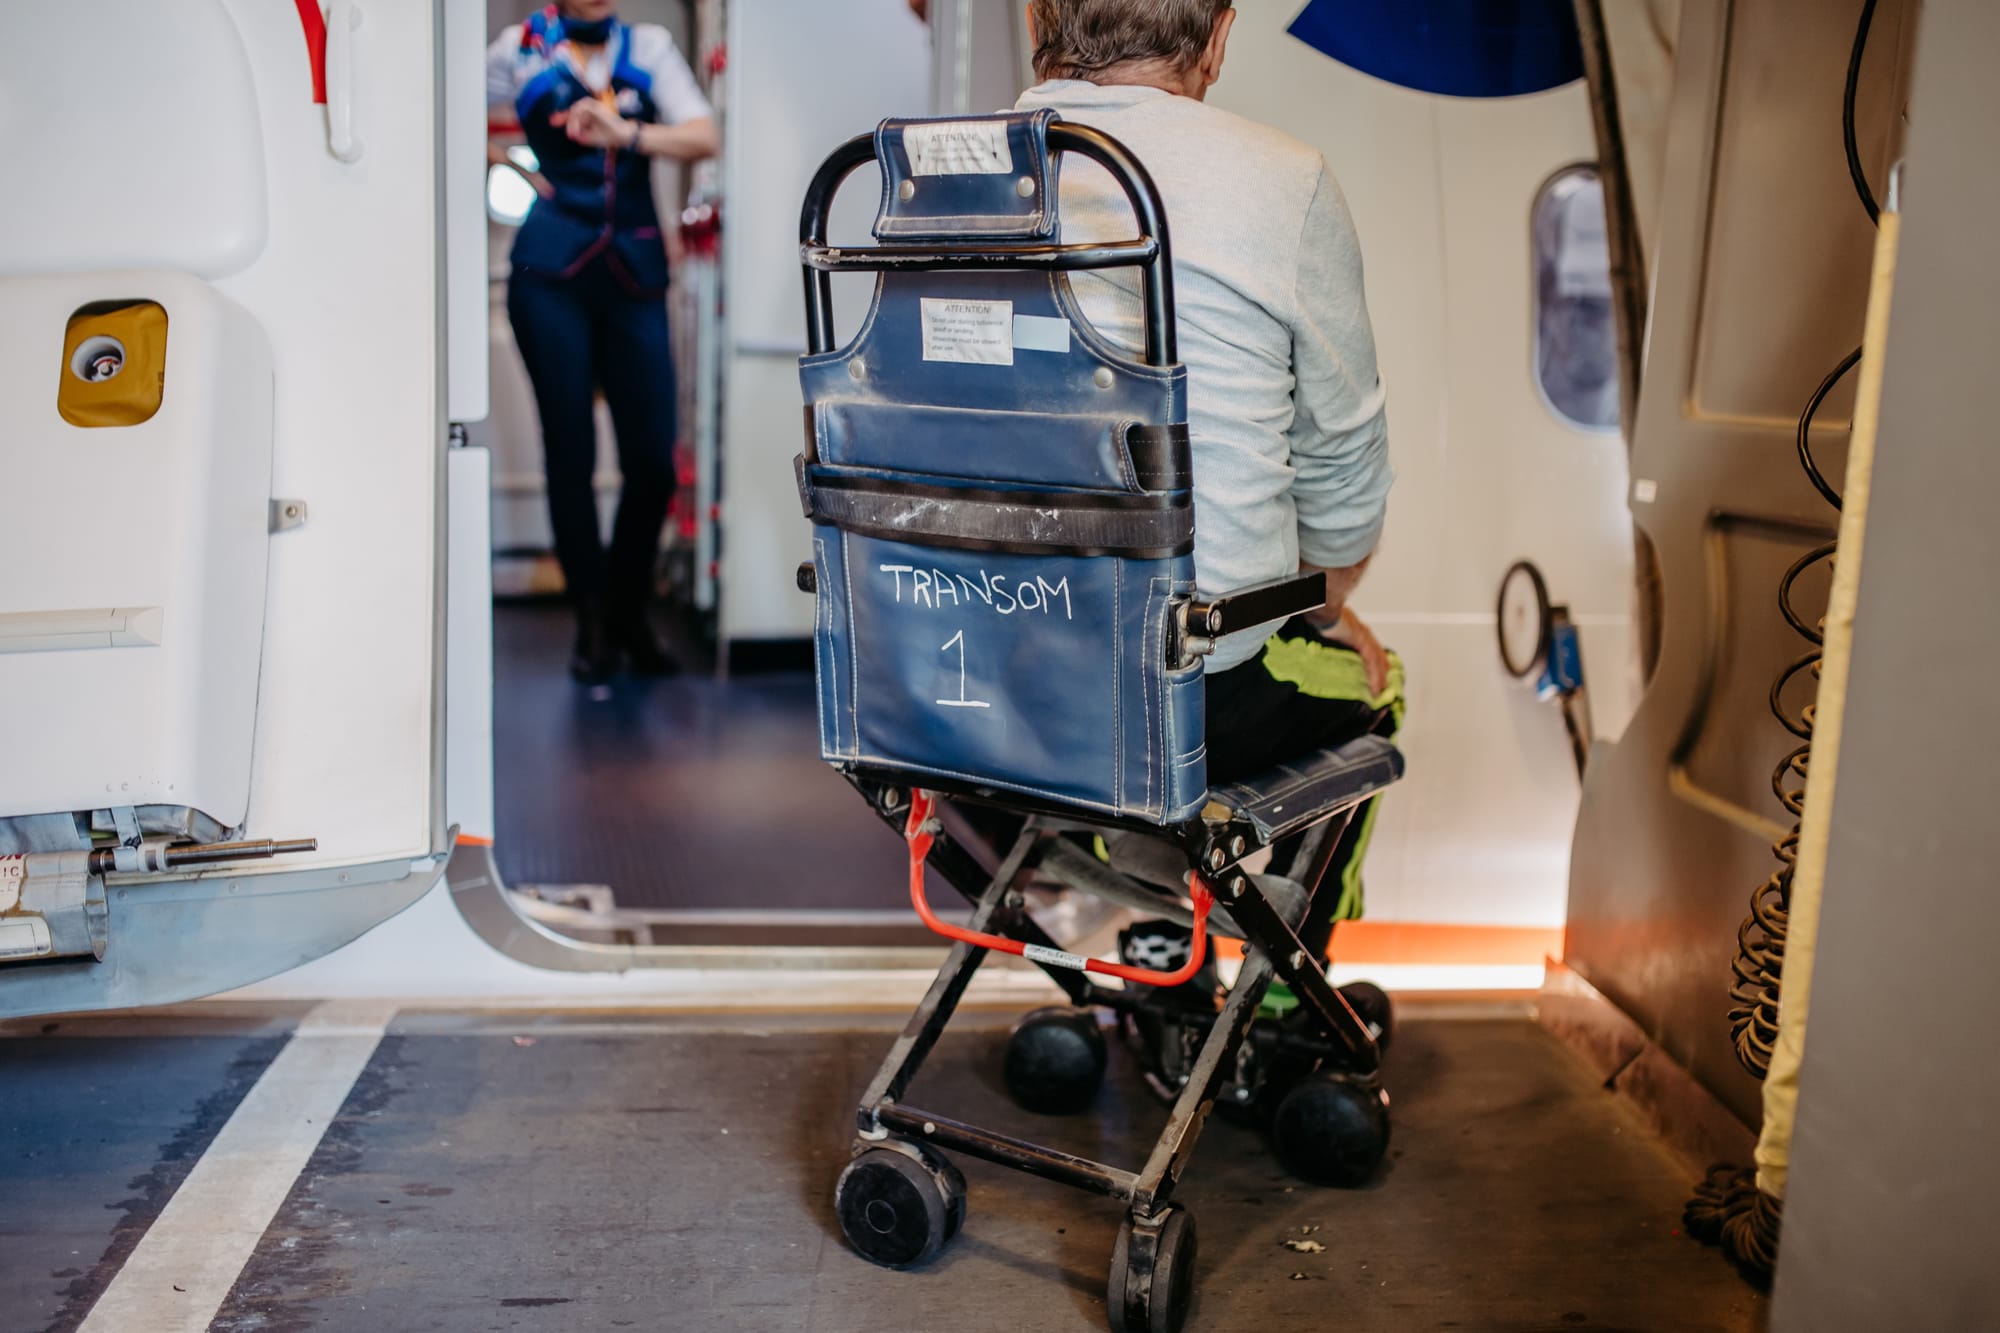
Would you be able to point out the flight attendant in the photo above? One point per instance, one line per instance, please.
(598, 99)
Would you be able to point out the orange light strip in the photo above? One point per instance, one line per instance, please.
(1377, 943)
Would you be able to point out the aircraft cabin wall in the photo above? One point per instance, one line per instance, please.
(1443, 191)
(1760, 287)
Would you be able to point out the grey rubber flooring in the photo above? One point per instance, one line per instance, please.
(98, 1131)
(607, 1174)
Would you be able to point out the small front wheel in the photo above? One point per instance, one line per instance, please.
(900, 1204)
(1152, 1274)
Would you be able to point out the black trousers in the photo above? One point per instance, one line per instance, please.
(578, 335)
(1299, 694)
(1258, 718)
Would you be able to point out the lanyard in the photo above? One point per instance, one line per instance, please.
(566, 52)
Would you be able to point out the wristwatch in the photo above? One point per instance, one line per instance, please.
(632, 145)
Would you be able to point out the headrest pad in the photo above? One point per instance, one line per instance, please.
(967, 178)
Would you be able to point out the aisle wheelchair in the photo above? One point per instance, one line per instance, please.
(1007, 621)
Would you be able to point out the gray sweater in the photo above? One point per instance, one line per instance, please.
(1291, 454)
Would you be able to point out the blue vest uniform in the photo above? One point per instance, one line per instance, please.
(603, 200)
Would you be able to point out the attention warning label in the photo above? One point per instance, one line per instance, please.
(979, 333)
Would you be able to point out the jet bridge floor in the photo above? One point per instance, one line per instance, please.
(571, 1171)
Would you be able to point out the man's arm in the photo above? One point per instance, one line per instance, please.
(1337, 622)
(1339, 437)
(1339, 583)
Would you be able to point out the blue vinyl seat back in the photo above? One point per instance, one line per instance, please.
(1002, 509)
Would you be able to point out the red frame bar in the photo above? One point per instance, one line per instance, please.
(918, 831)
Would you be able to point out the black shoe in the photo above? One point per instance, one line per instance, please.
(644, 652)
(594, 660)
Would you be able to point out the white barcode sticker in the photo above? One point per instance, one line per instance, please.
(13, 873)
(980, 333)
(1040, 953)
(958, 148)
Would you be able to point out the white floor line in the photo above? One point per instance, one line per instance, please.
(183, 1268)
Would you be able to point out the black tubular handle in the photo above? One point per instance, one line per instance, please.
(1150, 250)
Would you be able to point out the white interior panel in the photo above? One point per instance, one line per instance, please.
(1441, 190)
(462, 91)
(348, 290)
(345, 292)
(136, 135)
(132, 559)
(804, 77)
(469, 634)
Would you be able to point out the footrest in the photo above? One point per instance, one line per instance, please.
(1294, 795)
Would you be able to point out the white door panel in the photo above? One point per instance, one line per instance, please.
(804, 77)
(348, 291)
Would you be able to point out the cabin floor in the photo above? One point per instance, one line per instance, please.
(571, 1171)
(591, 783)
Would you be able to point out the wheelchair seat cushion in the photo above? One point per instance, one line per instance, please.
(1285, 799)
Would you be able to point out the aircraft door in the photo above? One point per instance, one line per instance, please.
(223, 424)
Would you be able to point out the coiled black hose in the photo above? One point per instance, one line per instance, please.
(1760, 941)
(1728, 1209)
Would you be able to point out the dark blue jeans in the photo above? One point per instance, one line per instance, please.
(578, 335)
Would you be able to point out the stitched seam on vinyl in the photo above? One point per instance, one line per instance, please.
(1117, 670)
(1146, 677)
(886, 161)
(840, 356)
(1109, 353)
(823, 624)
(854, 638)
(1121, 451)
(988, 780)
(925, 226)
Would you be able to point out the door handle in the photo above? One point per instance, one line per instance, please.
(342, 18)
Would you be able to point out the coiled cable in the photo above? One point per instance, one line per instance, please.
(1730, 1211)
(1728, 1208)
(1760, 941)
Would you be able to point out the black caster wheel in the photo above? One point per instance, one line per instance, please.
(1331, 1130)
(1370, 1004)
(900, 1204)
(1152, 1274)
(1055, 1060)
